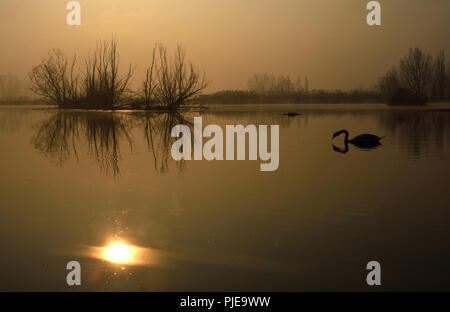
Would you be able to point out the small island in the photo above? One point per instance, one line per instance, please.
(98, 83)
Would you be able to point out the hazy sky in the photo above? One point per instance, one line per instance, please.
(327, 40)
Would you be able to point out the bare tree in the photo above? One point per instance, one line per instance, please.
(440, 77)
(100, 86)
(55, 79)
(416, 72)
(177, 81)
(389, 84)
(306, 84)
(447, 85)
(149, 85)
(103, 86)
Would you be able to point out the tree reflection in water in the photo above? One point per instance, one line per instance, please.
(419, 131)
(157, 131)
(64, 134)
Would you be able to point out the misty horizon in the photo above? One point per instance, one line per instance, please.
(234, 40)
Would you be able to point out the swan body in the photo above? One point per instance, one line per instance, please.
(367, 141)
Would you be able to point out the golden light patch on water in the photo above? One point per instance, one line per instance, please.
(121, 252)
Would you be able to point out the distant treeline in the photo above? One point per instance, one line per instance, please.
(419, 78)
(269, 83)
(12, 89)
(270, 89)
(293, 97)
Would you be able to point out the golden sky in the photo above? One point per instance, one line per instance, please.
(327, 40)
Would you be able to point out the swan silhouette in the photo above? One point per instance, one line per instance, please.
(363, 141)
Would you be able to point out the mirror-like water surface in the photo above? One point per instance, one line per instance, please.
(101, 188)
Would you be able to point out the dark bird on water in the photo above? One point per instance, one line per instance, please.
(291, 114)
(365, 141)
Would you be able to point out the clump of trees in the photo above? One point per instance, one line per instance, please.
(169, 83)
(418, 78)
(102, 85)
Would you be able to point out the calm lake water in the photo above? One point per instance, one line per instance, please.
(101, 188)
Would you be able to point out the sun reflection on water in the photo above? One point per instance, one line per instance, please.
(121, 252)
